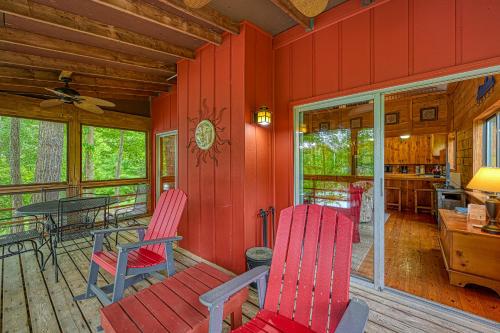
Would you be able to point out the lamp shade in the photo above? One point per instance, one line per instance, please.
(486, 179)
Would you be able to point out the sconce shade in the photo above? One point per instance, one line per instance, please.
(263, 116)
(486, 180)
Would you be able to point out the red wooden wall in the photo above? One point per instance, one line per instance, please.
(354, 49)
(224, 198)
(164, 118)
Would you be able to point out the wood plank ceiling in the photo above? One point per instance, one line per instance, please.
(121, 50)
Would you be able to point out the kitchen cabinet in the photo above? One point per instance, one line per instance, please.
(415, 150)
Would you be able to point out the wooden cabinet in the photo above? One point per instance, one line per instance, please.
(470, 255)
(415, 150)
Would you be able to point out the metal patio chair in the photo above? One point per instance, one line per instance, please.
(136, 261)
(76, 218)
(308, 288)
(14, 237)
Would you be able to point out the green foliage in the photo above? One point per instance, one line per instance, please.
(105, 154)
(365, 159)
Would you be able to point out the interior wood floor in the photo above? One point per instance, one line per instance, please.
(31, 301)
(414, 264)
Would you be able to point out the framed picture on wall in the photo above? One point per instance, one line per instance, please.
(324, 126)
(429, 114)
(356, 123)
(392, 118)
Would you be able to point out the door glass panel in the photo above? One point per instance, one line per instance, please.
(335, 150)
(167, 171)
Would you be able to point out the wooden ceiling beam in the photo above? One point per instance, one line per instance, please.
(42, 92)
(90, 81)
(81, 88)
(205, 14)
(28, 9)
(145, 11)
(45, 43)
(34, 61)
(288, 8)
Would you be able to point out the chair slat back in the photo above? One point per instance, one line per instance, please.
(166, 217)
(310, 272)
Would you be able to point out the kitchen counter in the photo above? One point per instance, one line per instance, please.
(412, 176)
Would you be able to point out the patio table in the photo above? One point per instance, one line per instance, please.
(49, 209)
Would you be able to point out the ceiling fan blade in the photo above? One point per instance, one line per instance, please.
(97, 101)
(58, 93)
(196, 3)
(50, 102)
(310, 8)
(84, 105)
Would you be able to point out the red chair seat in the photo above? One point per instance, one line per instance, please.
(139, 258)
(267, 321)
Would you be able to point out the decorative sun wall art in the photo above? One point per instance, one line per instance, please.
(205, 134)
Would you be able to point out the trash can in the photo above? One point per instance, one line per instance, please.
(258, 256)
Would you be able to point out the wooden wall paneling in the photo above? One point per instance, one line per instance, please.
(223, 190)
(302, 68)
(237, 149)
(433, 34)
(251, 176)
(390, 28)
(207, 185)
(193, 188)
(355, 44)
(478, 19)
(326, 60)
(182, 155)
(436, 126)
(283, 152)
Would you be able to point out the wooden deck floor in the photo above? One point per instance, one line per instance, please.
(31, 301)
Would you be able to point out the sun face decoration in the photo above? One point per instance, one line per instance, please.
(205, 134)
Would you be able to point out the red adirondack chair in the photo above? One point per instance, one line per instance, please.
(308, 288)
(136, 261)
(354, 210)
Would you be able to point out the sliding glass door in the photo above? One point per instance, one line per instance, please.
(335, 166)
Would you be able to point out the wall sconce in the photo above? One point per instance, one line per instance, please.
(303, 128)
(263, 116)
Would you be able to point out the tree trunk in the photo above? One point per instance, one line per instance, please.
(15, 160)
(49, 154)
(89, 161)
(119, 159)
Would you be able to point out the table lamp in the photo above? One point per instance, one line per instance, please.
(488, 180)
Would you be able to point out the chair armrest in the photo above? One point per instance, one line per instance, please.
(131, 246)
(224, 291)
(354, 318)
(111, 230)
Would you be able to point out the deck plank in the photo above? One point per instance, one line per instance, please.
(42, 313)
(14, 307)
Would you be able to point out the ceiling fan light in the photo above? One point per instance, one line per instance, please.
(310, 8)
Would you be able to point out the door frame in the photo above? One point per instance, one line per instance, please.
(379, 246)
(158, 137)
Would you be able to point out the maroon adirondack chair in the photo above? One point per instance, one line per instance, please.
(354, 210)
(136, 261)
(308, 288)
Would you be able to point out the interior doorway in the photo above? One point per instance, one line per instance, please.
(166, 162)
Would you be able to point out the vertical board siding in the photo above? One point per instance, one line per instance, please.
(221, 220)
(163, 119)
(355, 49)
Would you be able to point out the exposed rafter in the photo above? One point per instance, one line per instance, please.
(206, 14)
(34, 61)
(61, 19)
(90, 81)
(145, 11)
(289, 9)
(20, 83)
(42, 92)
(64, 47)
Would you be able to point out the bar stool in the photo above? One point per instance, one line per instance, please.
(393, 204)
(417, 206)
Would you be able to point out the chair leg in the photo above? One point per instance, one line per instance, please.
(92, 280)
(169, 254)
(54, 260)
(119, 285)
(236, 318)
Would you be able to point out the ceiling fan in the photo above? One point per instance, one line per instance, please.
(70, 96)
